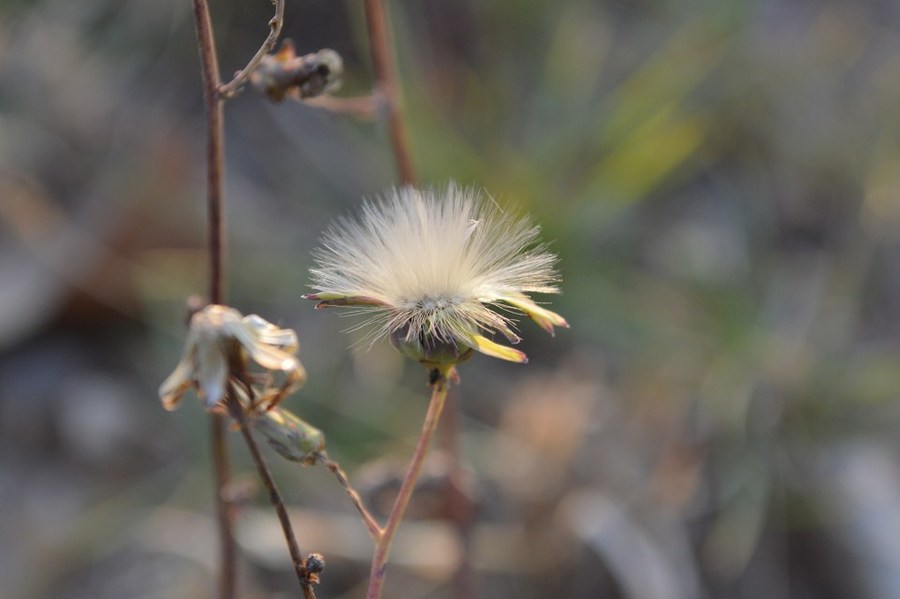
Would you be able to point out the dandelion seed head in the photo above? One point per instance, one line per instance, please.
(429, 267)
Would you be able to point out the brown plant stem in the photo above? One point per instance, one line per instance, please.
(362, 107)
(224, 513)
(215, 152)
(209, 68)
(297, 560)
(233, 87)
(379, 45)
(375, 529)
(383, 547)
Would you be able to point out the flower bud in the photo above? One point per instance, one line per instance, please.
(293, 438)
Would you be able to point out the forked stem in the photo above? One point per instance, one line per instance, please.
(383, 546)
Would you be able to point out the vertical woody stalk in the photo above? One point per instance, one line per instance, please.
(209, 67)
(214, 95)
(376, 22)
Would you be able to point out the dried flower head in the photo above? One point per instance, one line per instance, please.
(220, 347)
(429, 269)
(284, 74)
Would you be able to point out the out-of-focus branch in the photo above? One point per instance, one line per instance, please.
(209, 68)
(215, 152)
(379, 44)
(362, 107)
(458, 503)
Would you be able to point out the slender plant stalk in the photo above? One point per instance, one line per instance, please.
(224, 513)
(274, 497)
(374, 529)
(361, 107)
(379, 45)
(209, 68)
(215, 152)
(231, 89)
(383, 547)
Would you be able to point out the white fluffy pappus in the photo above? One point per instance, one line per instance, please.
(430, 268)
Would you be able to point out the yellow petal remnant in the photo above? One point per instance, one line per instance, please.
(488, 347)
(220, 347)
(543, 317)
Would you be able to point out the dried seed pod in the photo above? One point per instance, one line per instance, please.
(315, 563)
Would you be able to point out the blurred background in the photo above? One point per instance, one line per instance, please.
(719, 177)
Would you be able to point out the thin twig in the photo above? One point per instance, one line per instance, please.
(361, 107)
(379, 45)
(375, 529)
(214, 168)
(274, 497)
(383, 548)
(233, 87)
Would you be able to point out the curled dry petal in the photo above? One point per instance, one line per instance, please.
(211, 366)
(174, 387)
(268, 333)
(219, 348)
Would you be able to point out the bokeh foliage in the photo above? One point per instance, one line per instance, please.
(720, 180)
